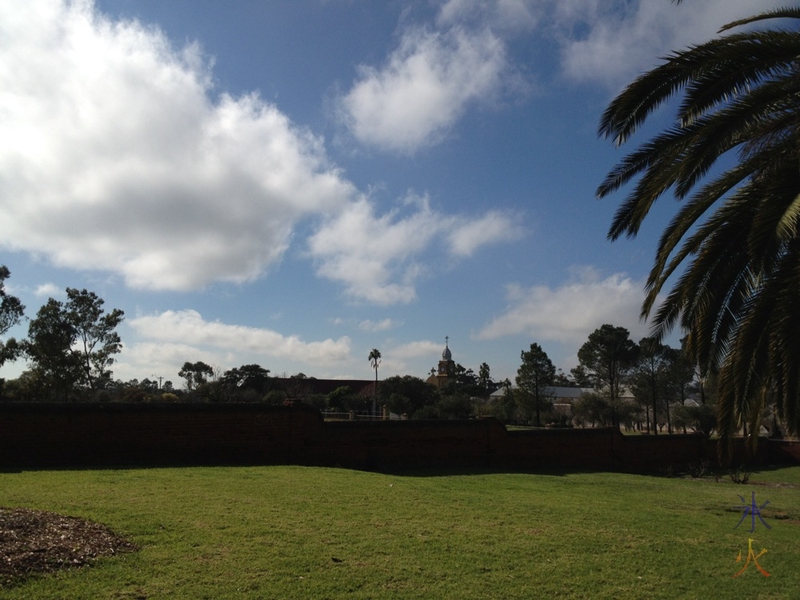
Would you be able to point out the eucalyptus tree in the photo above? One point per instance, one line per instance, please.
(248, 382)
(56, 364)
(733, 247)
(95, 333)
(74, 342)
(11, 311)
(195, 374)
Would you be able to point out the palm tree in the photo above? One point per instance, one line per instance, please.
(375, 359)
(734, 244)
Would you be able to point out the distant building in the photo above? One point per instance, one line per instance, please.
(447, 368)
(564, 397)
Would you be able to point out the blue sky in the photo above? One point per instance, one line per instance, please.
(295, 182)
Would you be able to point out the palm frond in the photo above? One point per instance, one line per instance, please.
(733, 247)
(778, 13)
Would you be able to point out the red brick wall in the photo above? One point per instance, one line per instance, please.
(87, 435)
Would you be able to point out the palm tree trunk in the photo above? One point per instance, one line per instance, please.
(375, 395)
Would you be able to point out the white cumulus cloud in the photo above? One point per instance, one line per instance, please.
(375, 326)
(440, 70)
(47, 289)
(164, 359)
(467, 236)
(503, 15)
(570, 312)
(379, 258)
(425, 87)
(612, 42)
(190, 327)
(117, 155)
(398, 358)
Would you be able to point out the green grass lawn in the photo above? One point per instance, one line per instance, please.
(294, 532)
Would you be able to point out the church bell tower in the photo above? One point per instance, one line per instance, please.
(447, 367)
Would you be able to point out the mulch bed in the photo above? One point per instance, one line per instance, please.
(34, 541)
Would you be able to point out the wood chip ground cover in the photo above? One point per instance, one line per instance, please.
(33, 541)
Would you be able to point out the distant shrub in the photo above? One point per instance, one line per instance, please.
(275, 397)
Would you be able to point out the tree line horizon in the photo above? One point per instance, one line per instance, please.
(71, 346)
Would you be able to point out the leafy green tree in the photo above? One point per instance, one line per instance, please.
(465, 382)
(734, 245)
(563, 380)
(318, 401)
(298, 388)
(534, 374)
(407, 394)
(485, 377)
(649, 377)
(11, 311)
(593, 408)
(486, 382)
(399, 404)
(702, 385)
(580, 377)
(247, 376)
(504, 408)
(457, 405)
(95, 332)
(605, 359)
(684, 371)
(246, 383)
(701, 418)
(149, 385)
(276, 397)
(466, 379)
(195, 374)
(28, 387)
(50, 349)
(136, 391)
(344, 398)
(681, 375)
(73, 342)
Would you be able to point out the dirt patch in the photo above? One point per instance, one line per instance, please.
(34, 541)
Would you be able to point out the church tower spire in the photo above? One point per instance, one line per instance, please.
(447, 367)
(446, 355)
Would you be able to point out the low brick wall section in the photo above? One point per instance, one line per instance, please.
(61, 435)
(96, 435)
(408, 444)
